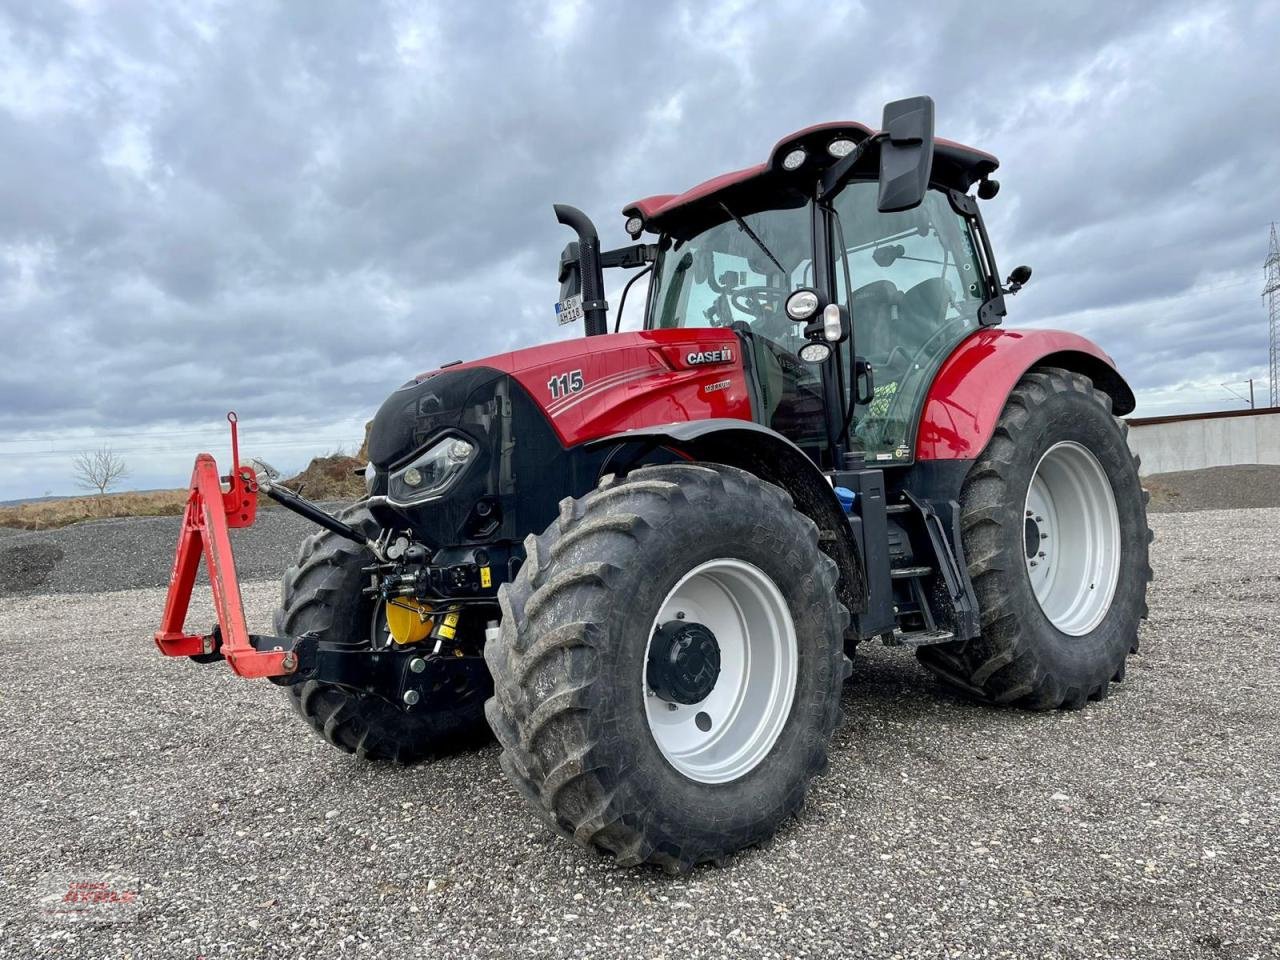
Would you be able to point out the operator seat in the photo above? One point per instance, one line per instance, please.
(924, 308)
(875, 316)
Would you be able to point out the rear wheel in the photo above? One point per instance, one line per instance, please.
(1055, 532)
(323, 594)
(669, 668)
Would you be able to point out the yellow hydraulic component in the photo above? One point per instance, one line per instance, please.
(408, 620)
(447, 629)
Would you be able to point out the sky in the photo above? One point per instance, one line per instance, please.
(287, 209)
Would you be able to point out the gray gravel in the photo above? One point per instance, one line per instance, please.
(1245, 486)
(1147, 825)
(140, 551)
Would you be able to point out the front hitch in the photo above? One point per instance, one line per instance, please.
(210, 515)
(405, 675)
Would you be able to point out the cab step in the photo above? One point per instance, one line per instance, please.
(903, 573)
(916, 638)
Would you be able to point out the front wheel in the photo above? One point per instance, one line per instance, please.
(669, 668)
(1054, 525)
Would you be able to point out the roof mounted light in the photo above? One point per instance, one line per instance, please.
(635, 227)
(841, 147)
(794, 160)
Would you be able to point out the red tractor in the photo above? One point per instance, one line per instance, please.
(642, 560)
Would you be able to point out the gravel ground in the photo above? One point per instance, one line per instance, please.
(1146, 825)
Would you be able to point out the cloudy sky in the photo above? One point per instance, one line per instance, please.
(288, 208)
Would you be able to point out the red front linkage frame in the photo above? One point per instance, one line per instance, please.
(210, 515)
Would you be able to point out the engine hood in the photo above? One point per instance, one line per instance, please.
(529, 412)
(586, 388)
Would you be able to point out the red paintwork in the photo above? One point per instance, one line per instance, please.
(209, 517)
(636, 379)
(662, 204)
(969, 392)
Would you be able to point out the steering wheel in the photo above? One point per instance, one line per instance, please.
(759, 302)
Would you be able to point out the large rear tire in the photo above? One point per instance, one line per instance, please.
(1054, 525)
(677, 768)
(323, 594)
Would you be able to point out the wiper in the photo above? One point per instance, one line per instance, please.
(742, 225)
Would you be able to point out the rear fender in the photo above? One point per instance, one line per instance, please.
(771, 457)
(970, 390)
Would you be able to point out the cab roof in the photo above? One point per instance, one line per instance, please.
(954, 165)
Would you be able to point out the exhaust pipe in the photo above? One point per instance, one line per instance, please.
(594, 305)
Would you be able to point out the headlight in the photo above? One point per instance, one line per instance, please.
(427, 474)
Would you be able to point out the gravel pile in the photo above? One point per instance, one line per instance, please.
(1147, 825)
(1241, 487)
(120, 554)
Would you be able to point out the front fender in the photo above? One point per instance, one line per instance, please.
(772, 457)
(969, 392)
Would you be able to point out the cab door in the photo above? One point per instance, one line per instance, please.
(917, 285)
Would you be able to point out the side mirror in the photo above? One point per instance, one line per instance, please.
(906, 153)
(570, 272)
(1017, 279)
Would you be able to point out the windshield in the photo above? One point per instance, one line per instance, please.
(734, 273)
(738, 274)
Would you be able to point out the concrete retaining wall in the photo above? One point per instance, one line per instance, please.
(1167, 444)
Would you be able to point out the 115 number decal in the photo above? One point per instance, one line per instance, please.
(564, 384)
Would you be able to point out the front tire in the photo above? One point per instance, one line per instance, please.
(574, 694)
(1054, 525)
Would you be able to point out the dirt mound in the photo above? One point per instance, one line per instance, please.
(335, 477)
(1241, 487)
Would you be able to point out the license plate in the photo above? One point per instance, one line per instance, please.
(569, 310)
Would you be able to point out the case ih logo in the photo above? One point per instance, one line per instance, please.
(723, 355)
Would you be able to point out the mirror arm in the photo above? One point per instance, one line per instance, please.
(636, 255)
(838, 172)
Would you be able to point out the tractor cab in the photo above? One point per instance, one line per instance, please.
(901, 287)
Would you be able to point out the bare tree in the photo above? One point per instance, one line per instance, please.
(100, 470)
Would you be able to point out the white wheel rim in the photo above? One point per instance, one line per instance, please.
(727, 734)
(1071, 538)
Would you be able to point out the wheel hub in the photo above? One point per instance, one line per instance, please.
(684, 662)
(720, 670)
